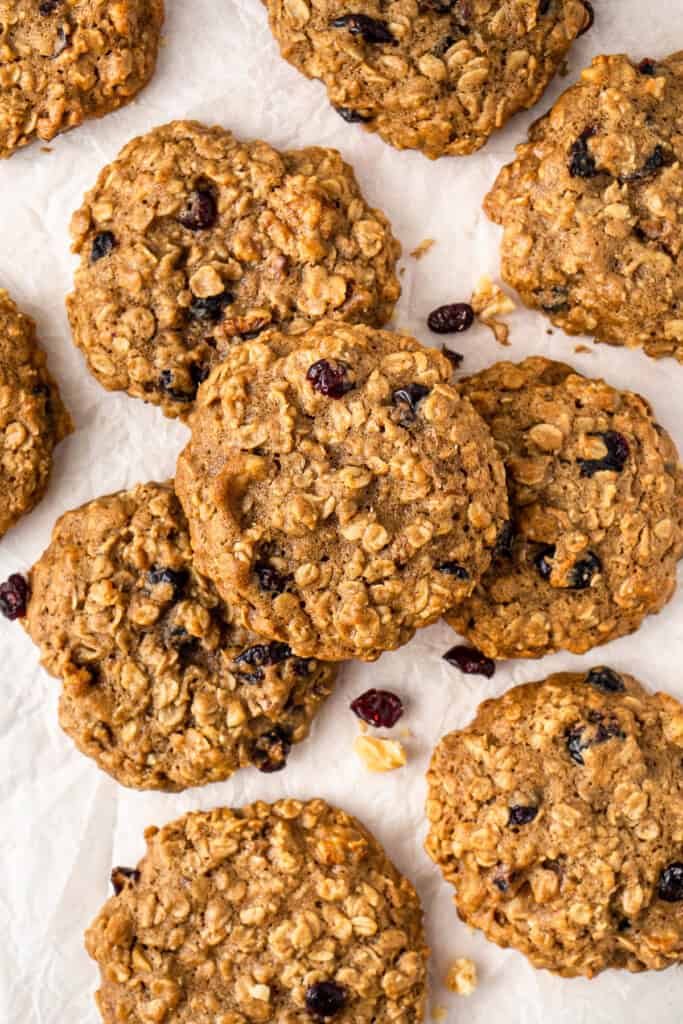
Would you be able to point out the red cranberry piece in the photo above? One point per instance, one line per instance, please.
(14, 594)
(325, 999)
(670, 887)
(518, 814)
(372, 30)
(119, 877)
(102, 245)
(270, 751)
(380, 708)
(470, 661)
(451, 319)
(329, 380)
(201, 211)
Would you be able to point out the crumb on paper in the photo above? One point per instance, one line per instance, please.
(490, 301)
(462, 977)
(439, 1013)
(46, 149)
(583, 348)
(423, 248)
(380, 755)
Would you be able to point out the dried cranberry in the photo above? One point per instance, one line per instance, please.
(454, 358)
(14, 593)
(648, 66)
(102, 245)
(581, 737)
(167, 386)
(582, 573)
(371, 29)
(260, 655)
(201, 210)
(270, 751)
(582, 162)
(329, 380)
(380, 708)
(605, 680)
(542, 560)
(211, 308)
(656, 160)
(453, 569)
(519, 814)
(270, 579)
(352, 116)
(470, 661)
(119, 877)
(504, 540)
(670, 886)
(177, 578)
(409, 397)
(590, 10)
(614, 461)
(451, 319)
(325, 999)
(48, 7)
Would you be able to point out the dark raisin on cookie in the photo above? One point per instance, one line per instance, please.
(554, 299)
(543, 559)
(211, 309)
(201, 210)
(372, 30)
(408, 398)
(270, 579)
(325, 999)
(270, 751)
(605, 680)
(453, 569)
(596, 731)
(176, 578)
(505, 540)
(260, 656)
(615, 459)
(581, 160)
(670, 886)
(329, 380)
(470, 661)
(14, 594)
(167, 386)
(648, 67)
(656, 160)
(352, 116)
(583, 571)
(120, 876)
(521, 814)
(380, 708)
(102, 245)
(48, 7)
(452, 318)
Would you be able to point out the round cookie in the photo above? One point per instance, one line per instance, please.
(161, 685)
(288, 912)
(192, 240)
(338, 486)
(68, 60)
(435, 75)
(596, 506)
(593, 228)
(33, 418)
(558, 816)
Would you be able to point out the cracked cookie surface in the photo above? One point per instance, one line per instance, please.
(558, 816)
(435, 75)
(339, 487)
(596, 507)
(161, 685)
(192, 240)
(62, 61)
(272, 912)
(593, 228)
(33, 418)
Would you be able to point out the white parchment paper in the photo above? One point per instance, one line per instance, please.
(63, 823)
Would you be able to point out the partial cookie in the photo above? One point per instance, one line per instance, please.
(288, 913)
(434, 75)
(338, 486)
(558, 816)
(67, 60)
(161, 685)
(192, 240)
(33, 418)
(591, 207)
(596, 506)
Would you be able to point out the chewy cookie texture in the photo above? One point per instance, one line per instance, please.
(33, 418)
(288, 913)
(591, 207)
(338, 486)
(596, 513)
(67, 60)
(161, 685)
(192, 240)
(558, 816)
(435, 75)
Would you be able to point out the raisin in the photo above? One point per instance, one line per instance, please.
(470, 661)
(352, 116)
(325, 999)
(623, 925)
(670, 886)
(605, 680)
(371, 29)
(501, 882)
(303, 666)
(581, 576)
(656, 160)
(380, 708)
(454, 358)
(201, 210)
(582, 162)
(329, 380)
(212, 308)
(119, 877)
(409, 397)
(177, 578)
(261, 655)
(590, 10)
(270, 751)
(48, 7)
(166, 385)
(453, 569)
(543, 7)
(581, 737)
(453, 318)
(554, 299)
(102, 245)
(614, 461)
(270, 579)
(14, 593)
(519, 814)
(542, 560)
(505, 540)
(648, 66)
(198, 374)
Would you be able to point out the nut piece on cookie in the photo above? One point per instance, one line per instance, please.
(33, 418)
(596, 513)
(65, 61)
(192, 240)
(593, 224)
(283, 912)
(439, 76)
(558, 816)
(339, 488)
(161, 685)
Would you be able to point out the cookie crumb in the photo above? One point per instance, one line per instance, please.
(439, 1013)
(490, 301)
(423, 248)
(380, 755)
(583, 348)
(462, 977)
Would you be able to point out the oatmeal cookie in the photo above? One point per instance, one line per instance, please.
(435, 75)
(288, 912)
(338, 486)
(161, 685)
(596, 506)
(558, 816)
(33, 418)
(593, 224)
(192, 240)
(63, 61)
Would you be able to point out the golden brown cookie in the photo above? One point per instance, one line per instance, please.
(591, 211)
(435, 75)
(596, 507)
(161, 685)
(192, 240)
(32, 419)
(63, 61)
(338, 486)
(288, 912)
(558, 816)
